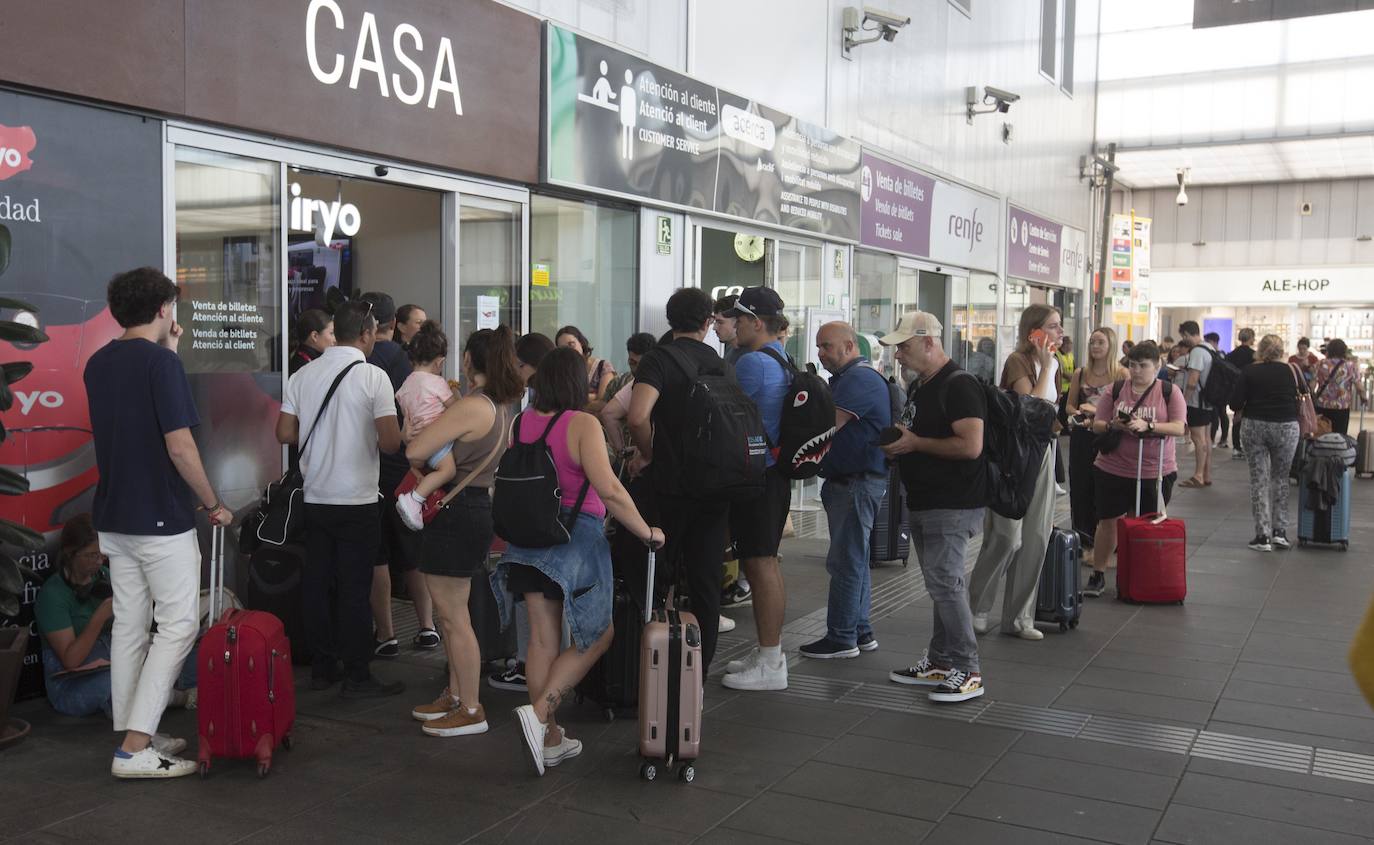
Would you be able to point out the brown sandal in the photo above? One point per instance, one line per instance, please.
(1191, 484)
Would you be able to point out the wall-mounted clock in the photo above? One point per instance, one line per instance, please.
(749, 247)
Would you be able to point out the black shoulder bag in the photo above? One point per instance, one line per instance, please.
(1107, 442)
(280, 519)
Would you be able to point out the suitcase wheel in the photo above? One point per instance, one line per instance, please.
(204, 769)
(1345, 546)
(1063, 626)
(287, 742)
(609, 713)
(687, 773)
(648, 771)
(1073, 624)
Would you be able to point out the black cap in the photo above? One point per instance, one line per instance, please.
(383, 306)
(756, 302)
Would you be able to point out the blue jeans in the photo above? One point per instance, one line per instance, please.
(89, 693)
(850, 507)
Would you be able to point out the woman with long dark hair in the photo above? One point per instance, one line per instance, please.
(600, 371)
(1017, 546)
(455, 544)
(1098, 373)
(570, 582)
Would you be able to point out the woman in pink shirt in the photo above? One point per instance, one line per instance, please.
(1140, 413)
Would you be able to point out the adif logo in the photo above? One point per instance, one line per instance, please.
(1013, 230)
(16, 142)
(800, 399)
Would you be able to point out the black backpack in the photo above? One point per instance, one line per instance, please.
(1016, 432)
(526, 507)
(807, 429)
(725, 450)
(1221, 381)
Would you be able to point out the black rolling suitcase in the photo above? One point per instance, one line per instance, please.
(891, 538)
(1059, 599)
(274, 585)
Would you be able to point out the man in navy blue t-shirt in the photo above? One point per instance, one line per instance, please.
(855, 473)
(756, 525)
(151, 484)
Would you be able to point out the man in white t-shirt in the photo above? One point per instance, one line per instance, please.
(1191, 380)
(339, 462)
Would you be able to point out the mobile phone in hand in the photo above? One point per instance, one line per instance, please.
(889, 435)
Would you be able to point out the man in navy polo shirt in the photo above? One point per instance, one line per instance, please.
(855, 473)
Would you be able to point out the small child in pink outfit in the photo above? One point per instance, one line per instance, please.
(422, 398)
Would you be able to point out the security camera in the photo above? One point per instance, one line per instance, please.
(999, 95)
(886, 19)
(884, 26)
(996, 98)
(1182, 175)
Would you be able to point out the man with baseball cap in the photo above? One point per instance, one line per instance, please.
(756, 525)
(940, 456)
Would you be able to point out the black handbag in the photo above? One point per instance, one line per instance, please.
(280, 519)
(1108, 441)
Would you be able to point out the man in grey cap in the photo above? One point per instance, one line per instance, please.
(939, 451)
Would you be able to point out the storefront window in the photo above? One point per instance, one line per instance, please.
(488, 266)
(975, 321)
(228, 259)
(799, 285)
(584, 272)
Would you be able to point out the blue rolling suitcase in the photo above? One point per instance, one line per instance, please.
(1059, 599)
(1330, 526)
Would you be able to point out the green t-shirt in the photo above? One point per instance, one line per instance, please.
(58, 607)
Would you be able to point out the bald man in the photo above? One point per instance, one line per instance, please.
(855, 473)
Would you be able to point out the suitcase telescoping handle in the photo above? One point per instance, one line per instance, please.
(216, 572)
(1159, 483)
(649, 583)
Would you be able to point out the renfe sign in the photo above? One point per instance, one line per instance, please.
(906, 211)
(1041, 250)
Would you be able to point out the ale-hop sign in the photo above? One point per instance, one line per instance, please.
(1041, 250)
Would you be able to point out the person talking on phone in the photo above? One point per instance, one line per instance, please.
(855, 473)
(1016, 547)
(1144, 408)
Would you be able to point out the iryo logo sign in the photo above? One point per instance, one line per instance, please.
(16, 142)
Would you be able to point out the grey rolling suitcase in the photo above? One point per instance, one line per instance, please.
(1059, 599)
(891, 537)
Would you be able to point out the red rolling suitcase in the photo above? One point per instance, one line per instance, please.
(670, 688)
(1151, 549)
(247, 695)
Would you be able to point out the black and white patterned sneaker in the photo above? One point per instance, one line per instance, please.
(1096, 586)
(1261, 544)
(511, 680)
(1280, 542)
(924, 674)
(959, 686)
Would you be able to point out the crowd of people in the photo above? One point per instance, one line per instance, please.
(380, 434)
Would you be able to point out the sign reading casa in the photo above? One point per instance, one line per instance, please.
(406, 47)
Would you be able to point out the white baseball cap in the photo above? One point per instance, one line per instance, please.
(913, 324)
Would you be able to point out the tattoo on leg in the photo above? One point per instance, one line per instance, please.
(555, 697)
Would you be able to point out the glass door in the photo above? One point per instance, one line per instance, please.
(798, 282)
(490, 236)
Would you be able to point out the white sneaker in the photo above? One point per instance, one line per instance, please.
(532, 736)
(168, 746)
(409, 509)
(1059, 490)
(1027, 632)
(566, 749)
(981, 624)
(759, 677)
(148, 763)
(734, 667)
(726, 625)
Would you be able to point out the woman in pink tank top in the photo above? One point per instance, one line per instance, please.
(571, 581)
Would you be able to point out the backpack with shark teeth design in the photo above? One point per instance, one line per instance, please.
(808, 421)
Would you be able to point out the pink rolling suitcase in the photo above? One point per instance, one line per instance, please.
(670, 688)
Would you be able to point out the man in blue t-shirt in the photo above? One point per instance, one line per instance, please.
(756, 525)
(151, 482)
(855, 473)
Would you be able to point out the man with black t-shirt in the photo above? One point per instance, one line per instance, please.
(694, 526)
(940, 455)
(1240, 358)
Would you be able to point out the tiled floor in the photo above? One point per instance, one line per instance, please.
(1229, 719)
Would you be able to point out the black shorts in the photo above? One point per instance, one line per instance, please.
(1200, 417)
(522, 579)
(1115, 495)
(400, 547)
(457, 541)
(756, 525)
